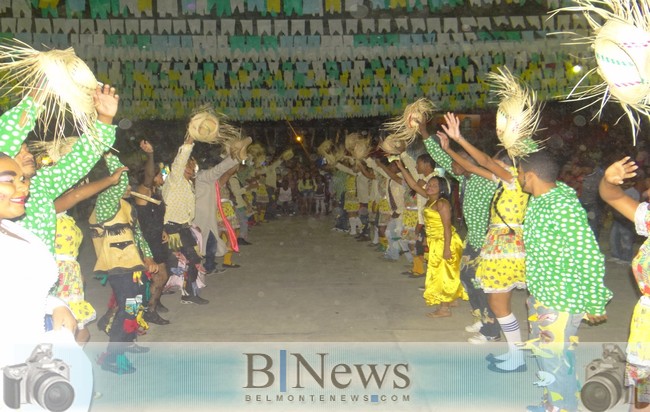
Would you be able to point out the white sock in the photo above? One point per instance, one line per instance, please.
(514, 357)
(511, 331)
(353, 226)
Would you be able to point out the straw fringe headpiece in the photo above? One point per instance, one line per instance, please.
(204, 126)
(621, 46)
(357, 145)
(518, 113)
(392, 145)
(405, 127)
(53, 150)
(257, 152)
(58, 80)
(331, 153)
(237, 147)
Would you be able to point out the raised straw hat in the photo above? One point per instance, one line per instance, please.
(393, 146)
(57, 79)
(237, 148)
(405, 127)
(357, 145)
(518, 113)
(621, 45)
(204, 126)
(330, 152)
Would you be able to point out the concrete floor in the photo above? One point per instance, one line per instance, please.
(302, 285)
(302, 282)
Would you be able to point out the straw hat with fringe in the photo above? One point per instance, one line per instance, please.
(351, 140)
(392, 145)
(357, 145)
(621, 46)
(330, 152)
(257, 152)
(59, 81)
(237, 148)
(518, 113)
(204, 126)
(406, 126)
(51, 151)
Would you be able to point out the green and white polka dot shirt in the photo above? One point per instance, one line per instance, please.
(52, 181)
(564, 266)
(476, 198)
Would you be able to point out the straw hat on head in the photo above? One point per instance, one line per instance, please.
(621, 46)
(406, 126)
(59, 80)
(518, 113)
(393, 146)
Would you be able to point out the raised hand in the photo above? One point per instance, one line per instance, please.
(115, 177)
(422, 129)
(444, 140)
(146, 146)
(106, 103)
(452, 127)
(618, 171)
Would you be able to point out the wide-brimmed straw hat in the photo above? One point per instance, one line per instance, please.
(330, 152)
(393, 146)
(621, 45)
(406, 126)
(257, 153)
(518, 113)
(237, 148)
(357, 145)
(57, 79)
(204, 126)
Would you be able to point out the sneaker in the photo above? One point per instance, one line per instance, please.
(233, 266)
(422, 288)
(115, 368)
(242, 241)
(117, 364)
(154, 317)
(494, 368)
(194, 299)
(216, 271)
(479, 339)
(161, 308)
(136, 349)
(474, 327)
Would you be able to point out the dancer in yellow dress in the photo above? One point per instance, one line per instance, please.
(442, 284)
(502, 267)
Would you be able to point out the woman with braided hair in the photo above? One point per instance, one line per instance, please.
(502, 265)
